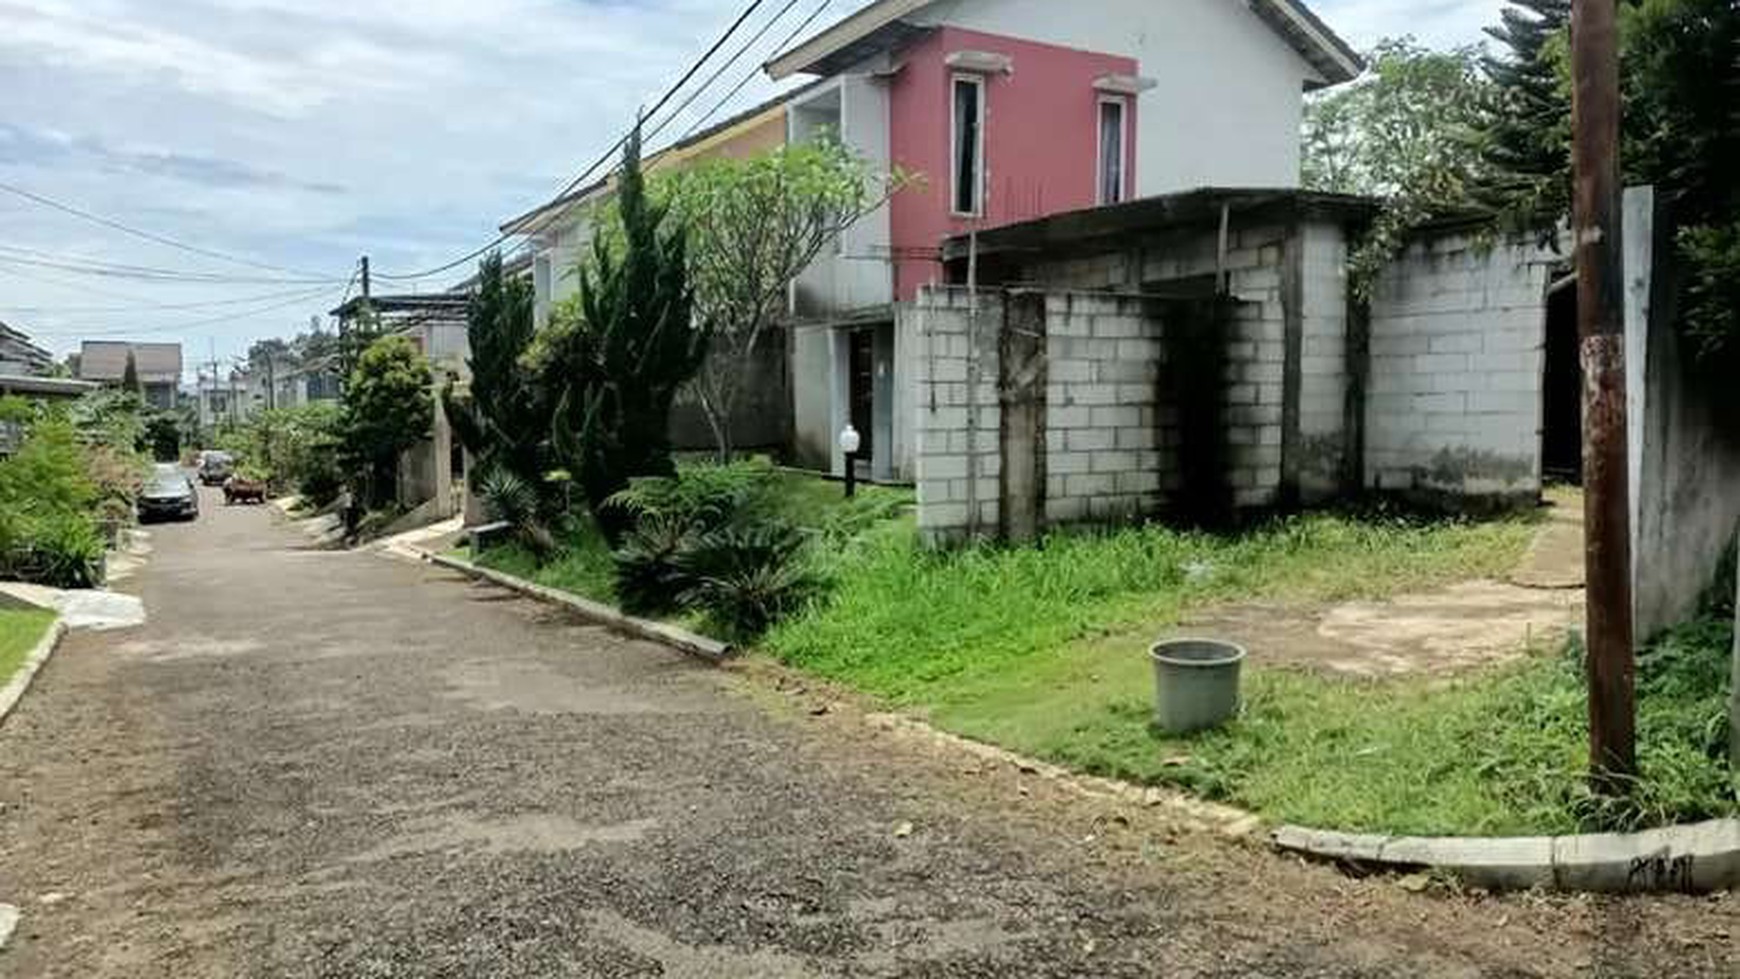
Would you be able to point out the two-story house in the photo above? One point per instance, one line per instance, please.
(1008, 110)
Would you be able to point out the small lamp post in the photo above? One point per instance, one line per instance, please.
(850, 441)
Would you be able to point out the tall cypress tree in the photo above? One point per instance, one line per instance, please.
(637, 342)
(503, 422)
(1528, 145)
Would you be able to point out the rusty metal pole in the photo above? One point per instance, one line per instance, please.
(1600, 313)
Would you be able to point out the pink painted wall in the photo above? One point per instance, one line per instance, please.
(1041, 132)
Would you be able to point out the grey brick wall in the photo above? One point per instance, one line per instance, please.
(1456, 353)
(957, 454)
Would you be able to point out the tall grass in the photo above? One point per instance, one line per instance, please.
(901, 621)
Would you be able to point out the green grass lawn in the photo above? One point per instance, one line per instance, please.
(1042, 650)
(20, 630)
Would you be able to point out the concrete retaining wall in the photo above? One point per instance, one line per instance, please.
(1684, 438)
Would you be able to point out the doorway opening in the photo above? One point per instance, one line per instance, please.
(861, 395)
(1562, 390)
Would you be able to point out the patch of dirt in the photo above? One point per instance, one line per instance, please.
(1465, 626)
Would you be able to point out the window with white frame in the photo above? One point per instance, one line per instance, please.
(1113, 139)
(967, 189)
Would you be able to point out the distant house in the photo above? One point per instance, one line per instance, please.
(19, 357)
(431, 474)
(158, 366)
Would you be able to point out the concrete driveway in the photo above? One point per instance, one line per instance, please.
(335, 764)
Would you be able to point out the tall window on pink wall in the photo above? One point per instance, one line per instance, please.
(966, 191)
(1113, 135)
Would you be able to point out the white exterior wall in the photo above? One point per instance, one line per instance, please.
(555, 252)
(866, 275)
(1229, 102)
(857, 272)
(1454, 403)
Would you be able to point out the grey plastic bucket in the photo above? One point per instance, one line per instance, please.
(1196, 683)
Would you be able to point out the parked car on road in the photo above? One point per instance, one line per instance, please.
(168, 495)
(215, 467)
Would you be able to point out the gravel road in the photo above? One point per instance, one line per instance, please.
(311, 763)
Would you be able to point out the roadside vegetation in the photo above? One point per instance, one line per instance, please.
(20, 630)
(69, 485)
(1043, 650)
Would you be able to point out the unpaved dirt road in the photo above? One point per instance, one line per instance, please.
(332, 764)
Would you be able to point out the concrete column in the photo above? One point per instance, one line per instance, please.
(443, 443)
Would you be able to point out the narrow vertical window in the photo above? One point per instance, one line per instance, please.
(1111, 173)
(969, 148)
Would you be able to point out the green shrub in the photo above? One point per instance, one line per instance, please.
(61, 549)
(649, 578)
(705, 497)
(712, 539)
(746, 577)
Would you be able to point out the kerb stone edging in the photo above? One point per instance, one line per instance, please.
(1692, 859)
(682, 640)
(13, 692)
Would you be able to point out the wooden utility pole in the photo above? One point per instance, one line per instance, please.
(1596, 229)
(365, 279)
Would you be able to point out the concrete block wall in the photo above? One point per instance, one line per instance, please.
(957, 450)
(1323, 373)
(1454, 401)
(1256, 349)
(1105, 431)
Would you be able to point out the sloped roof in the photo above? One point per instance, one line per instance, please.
(20, 343)
(882, 26)
(106, 360)
(534, 220)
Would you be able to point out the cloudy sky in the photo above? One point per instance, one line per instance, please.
(296, 135)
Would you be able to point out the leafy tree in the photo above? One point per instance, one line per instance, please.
(388, 409)
(1680, 75)
(754, 226)
(504, 421)
(615, 368)
(1405, 133)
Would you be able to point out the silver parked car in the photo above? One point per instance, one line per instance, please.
(168, 494)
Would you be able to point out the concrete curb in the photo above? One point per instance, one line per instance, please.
(683, 640)
(13, 692)
(1692, 859)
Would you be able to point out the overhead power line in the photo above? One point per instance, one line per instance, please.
(302, 298)
(722, 69)
(151, 236)
(141, 273)
(603, 159)
(750, 75)
(138, 306)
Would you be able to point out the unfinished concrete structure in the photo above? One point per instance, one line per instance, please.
(1205, 351)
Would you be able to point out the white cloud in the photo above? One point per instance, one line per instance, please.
(1436, 23)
